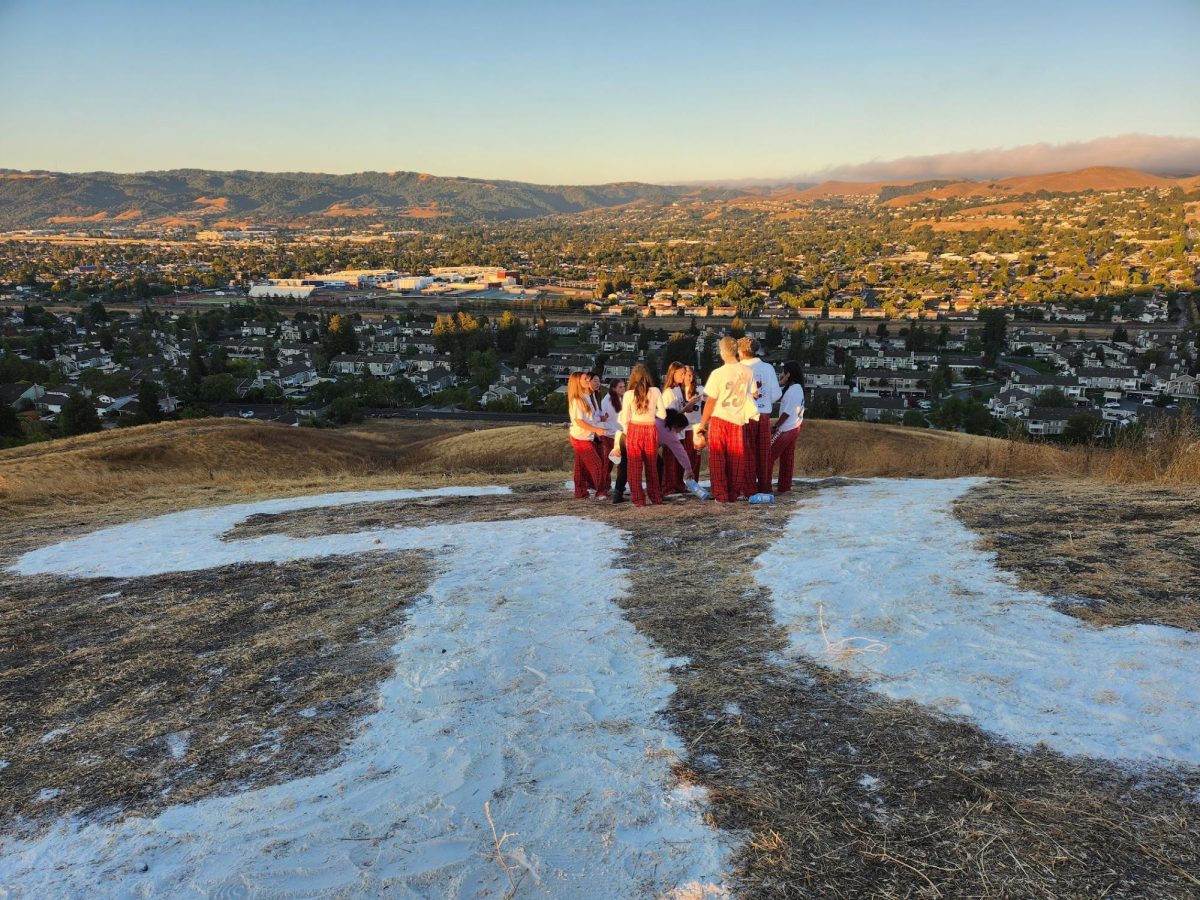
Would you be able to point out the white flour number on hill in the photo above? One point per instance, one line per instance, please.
(888, 561)
(517, 682)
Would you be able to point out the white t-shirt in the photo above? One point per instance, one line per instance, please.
(768, 384)
(587, 413)
(655, 409)
(792, 404)
(731, 386)
(610, 425)
(678, 401)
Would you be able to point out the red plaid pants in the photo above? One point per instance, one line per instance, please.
(728, 465)
(641, 446)
(784, 450)
(758, 448)
(606, 447)
(589, 472)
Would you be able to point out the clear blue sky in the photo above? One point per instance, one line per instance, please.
(578, 92)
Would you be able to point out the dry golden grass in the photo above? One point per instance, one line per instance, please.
(1111, 555)
(213, 460)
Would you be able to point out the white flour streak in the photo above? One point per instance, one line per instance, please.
(517, 682)
(888, 561)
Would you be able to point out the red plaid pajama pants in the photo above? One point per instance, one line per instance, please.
(589, 472)
(641, 446)
(728, 465)
(784, 450)
(758, 448)
(606, 447)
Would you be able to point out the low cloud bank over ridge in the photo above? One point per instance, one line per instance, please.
(1146, 152)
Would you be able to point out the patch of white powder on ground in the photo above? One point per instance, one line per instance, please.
(888, 561)
(517, 682)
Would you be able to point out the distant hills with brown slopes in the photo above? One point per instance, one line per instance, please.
(210, 199)
(1095, 178)
(230, 199)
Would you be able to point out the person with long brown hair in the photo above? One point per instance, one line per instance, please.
(691, 397)
(640, 409)
(672, 398)
(585, 432)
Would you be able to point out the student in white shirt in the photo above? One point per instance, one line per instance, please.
(787, 426)
(766, 395)
(728, 406)
(610, 410)
(584, 431)
(640, 408)
(691, 393)
(672, 472)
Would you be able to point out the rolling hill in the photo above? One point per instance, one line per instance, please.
(205, 198)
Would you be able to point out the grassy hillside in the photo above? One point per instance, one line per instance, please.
(202, 197)
(231, 457)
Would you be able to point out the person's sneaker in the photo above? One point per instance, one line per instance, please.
(618, 497)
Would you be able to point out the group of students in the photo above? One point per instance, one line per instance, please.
(730, 414)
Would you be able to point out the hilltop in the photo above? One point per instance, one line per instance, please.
(216, 458)
(840, 693)
(206, 198)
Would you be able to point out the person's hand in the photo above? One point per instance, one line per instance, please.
(699, 441)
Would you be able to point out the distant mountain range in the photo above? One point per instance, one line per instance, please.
(232, 199)
(903, 193)
(223, 199)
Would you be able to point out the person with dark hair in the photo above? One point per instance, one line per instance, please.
(787, 427)
(610, 410)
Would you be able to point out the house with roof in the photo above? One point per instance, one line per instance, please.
(21, 395)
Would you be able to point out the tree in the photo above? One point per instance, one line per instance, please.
(340, 337)
(737, 327)
(484, 367)
(10, 423)
(197, 367)
(796, 342)
(508, 329)
(148, 398)
(995, 330)
(218, 389)
(78, 416)
(1053, 398)
(774, 335)
(914, 418)
(976, 419)
(1080, 429)
(1120, 335)
(681, 348)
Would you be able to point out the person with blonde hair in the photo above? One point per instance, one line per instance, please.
(727, 409)
(584, 432)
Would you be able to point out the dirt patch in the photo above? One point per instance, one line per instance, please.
(139, 693)
(1111, 554)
